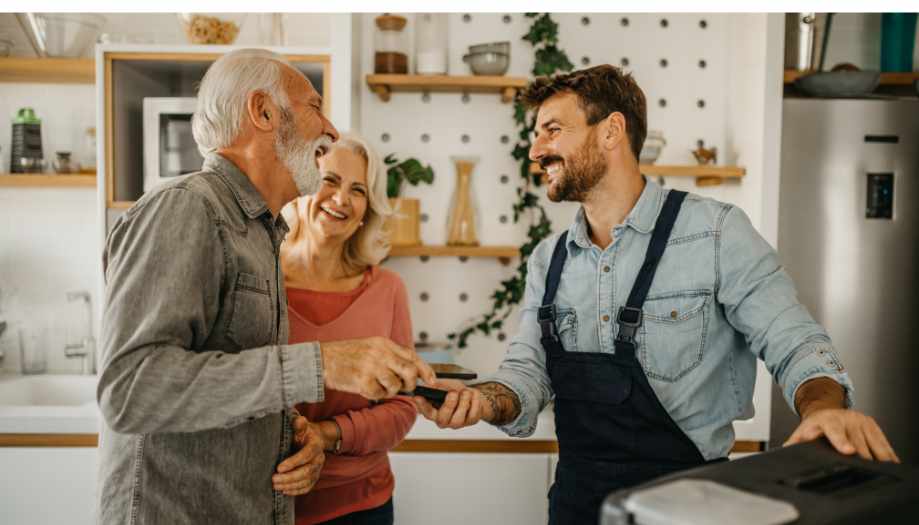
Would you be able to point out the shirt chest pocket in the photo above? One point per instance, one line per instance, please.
(566, 324)
(673, 333)
(250, 325)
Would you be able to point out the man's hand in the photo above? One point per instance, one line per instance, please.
(374, 368)
(463, 406)
(849, 432)
(299, 473)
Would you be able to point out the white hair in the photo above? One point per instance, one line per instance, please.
(224, 90)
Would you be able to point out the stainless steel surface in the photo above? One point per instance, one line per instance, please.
(29, 25)
(86, 348)
(857, 276)
(803, 38)
(488, 63)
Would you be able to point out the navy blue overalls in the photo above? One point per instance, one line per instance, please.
(612, 430)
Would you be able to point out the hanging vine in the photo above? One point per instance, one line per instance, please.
(548, 59)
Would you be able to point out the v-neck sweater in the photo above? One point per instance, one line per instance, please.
(359, 476)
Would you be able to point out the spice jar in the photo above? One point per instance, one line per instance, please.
(431, 35)
(391, 47)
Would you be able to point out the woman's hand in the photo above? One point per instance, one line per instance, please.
(299, 473)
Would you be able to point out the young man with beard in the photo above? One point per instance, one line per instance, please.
(645, 318)
(197, 380)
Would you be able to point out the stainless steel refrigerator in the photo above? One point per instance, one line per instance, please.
(849, 237)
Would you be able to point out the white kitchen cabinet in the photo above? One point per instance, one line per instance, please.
(465, 488)
(48, 485)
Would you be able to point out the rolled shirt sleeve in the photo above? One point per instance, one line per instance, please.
(760, 301)
(523, 370)
(165, 271)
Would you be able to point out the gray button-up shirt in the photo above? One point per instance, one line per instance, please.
(197, 376)
(720, 299)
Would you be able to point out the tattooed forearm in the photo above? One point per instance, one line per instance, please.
(504, 402)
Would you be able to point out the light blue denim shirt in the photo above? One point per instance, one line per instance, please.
(719, 300)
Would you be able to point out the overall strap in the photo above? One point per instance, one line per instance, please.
(630, 316)
(546, 314)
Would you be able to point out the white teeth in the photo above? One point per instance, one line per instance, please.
(553, 169)
(333, 213)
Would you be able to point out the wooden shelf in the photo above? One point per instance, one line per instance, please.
(706, 175)
(887, 79)
(48, 70)
(503, 253)
(48, 181)
(384, 85)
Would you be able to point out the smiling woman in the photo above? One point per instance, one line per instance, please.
(336, 291)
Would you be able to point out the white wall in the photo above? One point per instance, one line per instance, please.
(47, 236)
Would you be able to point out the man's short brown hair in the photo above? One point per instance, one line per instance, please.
(601, 90)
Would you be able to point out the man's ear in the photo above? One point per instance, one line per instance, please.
(262, 112)
(614, 132)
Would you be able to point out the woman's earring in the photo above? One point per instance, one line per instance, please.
(362, 223)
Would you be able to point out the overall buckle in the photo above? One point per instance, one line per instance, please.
(629, 320)
(546, 316)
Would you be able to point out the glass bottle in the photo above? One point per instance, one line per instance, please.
(431, 36)
(391, 48)
(461, 226)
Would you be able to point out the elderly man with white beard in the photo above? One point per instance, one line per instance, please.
(197, 382)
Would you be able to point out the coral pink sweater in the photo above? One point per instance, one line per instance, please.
(359, 477)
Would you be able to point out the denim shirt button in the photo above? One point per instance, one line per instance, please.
(606, 269)
(605, 318)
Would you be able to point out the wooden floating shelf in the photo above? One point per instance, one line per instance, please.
(48, 70)
(385, 85)
(706, 175)
(120, 205)
(503, 253)
(887, 79)
(47, 181)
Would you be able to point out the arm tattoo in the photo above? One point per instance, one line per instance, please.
(504, 402)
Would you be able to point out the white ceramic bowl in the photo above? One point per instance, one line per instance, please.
(489, 63)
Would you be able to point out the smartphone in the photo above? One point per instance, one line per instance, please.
(451, 371)
(435, 396)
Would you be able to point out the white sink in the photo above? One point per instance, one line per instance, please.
(47, 390)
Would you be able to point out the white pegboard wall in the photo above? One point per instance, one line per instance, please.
(679, 60)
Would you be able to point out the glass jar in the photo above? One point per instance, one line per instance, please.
(62, 162)
(390, 45)
(461, 230)
(431, 36)
(88, 150)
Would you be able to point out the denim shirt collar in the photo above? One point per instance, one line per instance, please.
(642, 217)
(246, 194)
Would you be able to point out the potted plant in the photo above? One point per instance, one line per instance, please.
(404, 226)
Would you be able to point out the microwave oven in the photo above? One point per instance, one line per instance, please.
(170, 151)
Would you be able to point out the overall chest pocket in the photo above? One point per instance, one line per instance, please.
(250, 325)
(673, 333)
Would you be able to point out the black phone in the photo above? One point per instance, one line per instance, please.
(435, 396)
(451, 371)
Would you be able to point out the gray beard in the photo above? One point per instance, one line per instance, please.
(299, 157)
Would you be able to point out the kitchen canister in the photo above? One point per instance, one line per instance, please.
(390, 46)
(431, 36)
(26, 151)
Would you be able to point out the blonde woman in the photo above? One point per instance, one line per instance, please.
(336, 290)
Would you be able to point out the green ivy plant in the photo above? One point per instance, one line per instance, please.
(548, 60)
(409, 170)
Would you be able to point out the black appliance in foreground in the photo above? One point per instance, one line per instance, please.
(804, 484)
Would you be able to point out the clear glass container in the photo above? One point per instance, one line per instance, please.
(390, 45)
(33, 350)
(431, 37)
(461, 225)
(88, 150)
(63, 164)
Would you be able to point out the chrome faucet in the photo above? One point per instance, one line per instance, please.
(86, 348)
